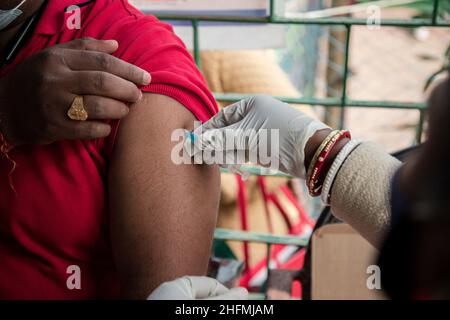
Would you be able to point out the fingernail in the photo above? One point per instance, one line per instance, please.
(147, 78)
(140, 95)
(113, 42)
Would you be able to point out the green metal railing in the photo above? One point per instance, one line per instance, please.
(343, 102)
(264, 238)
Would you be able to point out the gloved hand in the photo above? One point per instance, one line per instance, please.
(261, 112)
(196, 288)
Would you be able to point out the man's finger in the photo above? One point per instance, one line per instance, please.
(90, 44)
(100, 108)
(98, 61)
(104, 84)
(88, 130)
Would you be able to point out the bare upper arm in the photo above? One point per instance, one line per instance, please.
(162, 215)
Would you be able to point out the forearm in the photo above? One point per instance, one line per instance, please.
(360, 195)
(361, 192)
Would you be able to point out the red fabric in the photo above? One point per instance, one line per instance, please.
(59, 216)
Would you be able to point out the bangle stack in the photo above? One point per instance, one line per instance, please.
(318, 161)
(332, 173)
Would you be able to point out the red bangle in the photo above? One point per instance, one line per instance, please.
(313, 189)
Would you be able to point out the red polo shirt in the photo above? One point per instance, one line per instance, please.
(59, 217)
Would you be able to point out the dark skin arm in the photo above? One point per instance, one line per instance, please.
(163, 215)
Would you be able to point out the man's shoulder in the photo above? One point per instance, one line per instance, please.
(153, 46)
(138, 34)
(121, 18)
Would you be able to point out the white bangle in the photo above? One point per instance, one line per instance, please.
(337, 163)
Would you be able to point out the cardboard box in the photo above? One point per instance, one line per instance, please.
(343, 263)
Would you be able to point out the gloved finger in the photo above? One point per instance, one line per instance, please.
(213, 139)
(233, 160)
(205, 287)
(232, 294)
(216, 139)
(227, 116)
(178, 289)
(241, 145)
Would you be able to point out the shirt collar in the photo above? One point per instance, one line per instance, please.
(54, 16)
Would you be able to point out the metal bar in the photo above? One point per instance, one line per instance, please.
(344, 81)
(435, 12)
(272, 11)
(348, 9)
(328, 102)
(386, 104)
(319, 21)
(256, 296)
(335, 67)
(196, 43)
(233, 97)
(258, 171)
(267, 266)
(268, 259)
(419, 129)
(233, 235)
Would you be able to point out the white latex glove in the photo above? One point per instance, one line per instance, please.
(261, 112)
(196, 288)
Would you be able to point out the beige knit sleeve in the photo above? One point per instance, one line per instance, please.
(361, 191)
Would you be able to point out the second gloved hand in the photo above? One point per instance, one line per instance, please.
(197, 288)
(258, 113)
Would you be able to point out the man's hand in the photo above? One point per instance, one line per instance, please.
(35, 95)
(197, 288)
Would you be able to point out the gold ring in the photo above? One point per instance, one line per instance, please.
(77, 110)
